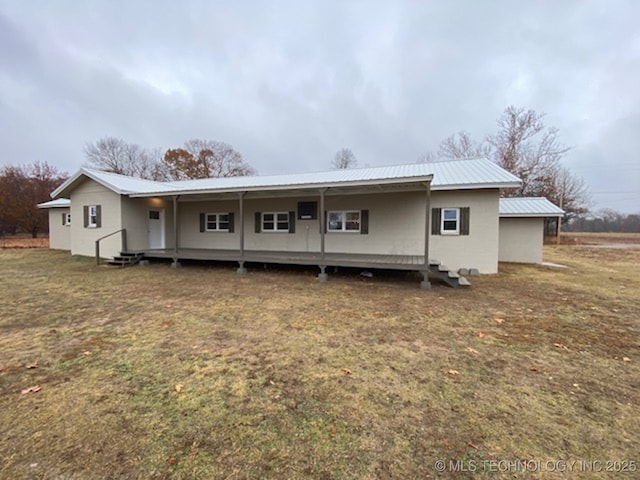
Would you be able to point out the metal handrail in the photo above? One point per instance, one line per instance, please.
(124, 242)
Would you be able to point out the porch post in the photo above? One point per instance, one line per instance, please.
(175, 231)
(322, 277)
(427, 230)
(241, 270)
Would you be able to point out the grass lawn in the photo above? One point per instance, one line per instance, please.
(153, 372)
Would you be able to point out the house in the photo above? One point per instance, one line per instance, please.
(435, 218)
(522, 228)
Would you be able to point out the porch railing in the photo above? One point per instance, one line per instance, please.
(124, 242)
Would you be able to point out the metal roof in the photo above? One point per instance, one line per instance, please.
(529, 207)
(122, 184)
(450, 175)
(57, 203)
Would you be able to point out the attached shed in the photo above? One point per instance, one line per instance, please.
(522, 228)
(59, 223)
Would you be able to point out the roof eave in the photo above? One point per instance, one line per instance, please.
(531, 215)
(70, 182)
(475, 186)
(293, 186)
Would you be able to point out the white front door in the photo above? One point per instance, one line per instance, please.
(156, 228)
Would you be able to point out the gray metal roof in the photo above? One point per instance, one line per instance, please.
(529, 207)
(450, 175)
(57, 203)
(121, 184)
(446, 176)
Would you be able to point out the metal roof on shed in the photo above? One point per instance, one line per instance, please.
(529, 207)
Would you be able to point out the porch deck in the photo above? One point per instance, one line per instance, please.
(393, 262)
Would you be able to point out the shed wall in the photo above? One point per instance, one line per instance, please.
(521, 240)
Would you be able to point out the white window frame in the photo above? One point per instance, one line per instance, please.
(343, 221)
(217, 222)
(92, 216)
(67, 219)
(275, 222)
(444, 219)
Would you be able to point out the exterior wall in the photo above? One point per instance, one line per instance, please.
(521, 240)
(479, 249)
(396, 225)
(59, 233)
(135, 218)
(189, 225)
(82, 238)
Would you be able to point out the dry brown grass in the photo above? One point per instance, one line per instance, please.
(153, 372)
(593, 238)
(23, 241)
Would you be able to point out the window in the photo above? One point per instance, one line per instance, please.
(217, 222)
(66, 219)
(450, 221)
(154, 214)
(93, 216)
(347, 221)
(275, 222)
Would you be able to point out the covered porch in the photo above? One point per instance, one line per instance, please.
(385, 223)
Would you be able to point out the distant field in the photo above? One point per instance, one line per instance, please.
(599, 238)
(196, 373)
(23, 241)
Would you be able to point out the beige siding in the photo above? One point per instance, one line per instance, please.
(393, 228)
(521, 240)
(189, 225)
(83, 238)
(135, 218)
(479, 249)
(59, 233)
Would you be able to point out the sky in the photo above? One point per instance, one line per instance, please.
(289, 83)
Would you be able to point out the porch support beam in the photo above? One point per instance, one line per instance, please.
(322, 277)
(241, 269)
(175, 231)
(427, 230)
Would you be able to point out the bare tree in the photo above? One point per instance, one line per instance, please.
(344, 159)
(460, 145)
(427, 157)
(113, 154)
(528, 149)
(204, 159)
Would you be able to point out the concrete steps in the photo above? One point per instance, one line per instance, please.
(441, 272)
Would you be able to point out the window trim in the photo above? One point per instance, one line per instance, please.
(275, 222)
(443, 219)
(217, 221)
(92, 218)
(343, 214)
(67, 219)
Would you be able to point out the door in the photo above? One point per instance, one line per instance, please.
(156, 228)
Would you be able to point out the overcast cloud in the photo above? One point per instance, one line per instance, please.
(288, 83)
